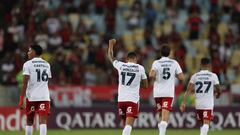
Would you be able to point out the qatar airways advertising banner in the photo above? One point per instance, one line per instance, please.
(12, 118)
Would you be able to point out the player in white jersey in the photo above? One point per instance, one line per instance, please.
(36, 72)
(205, 85)
(131, 76)
(163, 72)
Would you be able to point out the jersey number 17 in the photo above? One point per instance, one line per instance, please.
(132, 76)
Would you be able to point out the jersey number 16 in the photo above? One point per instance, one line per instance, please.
(42, 76)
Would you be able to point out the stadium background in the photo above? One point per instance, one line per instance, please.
(74, 35)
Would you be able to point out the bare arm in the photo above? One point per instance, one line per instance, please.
(23, 91)
(144, 83)
(111, 43)
(187, 93)
(152, 76)
(24, 86)
(180, 76)
(217, 90)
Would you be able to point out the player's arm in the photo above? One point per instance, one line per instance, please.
(111, 43)
(217, 90)
(152, 76)
(23, 91)
(179, 73)
(180, 76)
(187, 93)
(144, 83)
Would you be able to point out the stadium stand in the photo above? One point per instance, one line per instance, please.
(75, 34)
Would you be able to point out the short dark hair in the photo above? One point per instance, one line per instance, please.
(37, 48)
(165, 50)
(205, 61)
(131, 55)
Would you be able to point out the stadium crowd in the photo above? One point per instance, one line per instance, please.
(75, 34)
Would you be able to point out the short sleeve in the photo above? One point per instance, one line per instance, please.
(26, 70)
(192, 80)
(154, 66)
(49, 72)
(143, 74)
(178, 68)
(117, 64)
(216, 81)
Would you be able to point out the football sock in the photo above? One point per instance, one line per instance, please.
(28, 130)
(162, 127)
(204, 129)
(127, 130)
(43, 129)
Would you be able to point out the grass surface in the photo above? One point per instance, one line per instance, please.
(118, 132)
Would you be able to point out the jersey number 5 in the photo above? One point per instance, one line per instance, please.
(132, 76)
(42, 76)
(200, 85)
(166, 73)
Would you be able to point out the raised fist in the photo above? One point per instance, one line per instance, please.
(112, 41)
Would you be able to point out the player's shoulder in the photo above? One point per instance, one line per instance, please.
(174, 61)
(27, 63)
(157, 61)
(46, 62)
(118, 62)
(193, 75)
(213, 74)
(141, 67)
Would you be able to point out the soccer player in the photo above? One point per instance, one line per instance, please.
(205, 85)
(36, 72)
(131, 76)
(163, 73)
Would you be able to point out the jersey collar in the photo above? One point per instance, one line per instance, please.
(164, 58)
(37, 58)
(204, 70)
(131, 62)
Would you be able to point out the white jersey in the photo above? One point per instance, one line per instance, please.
(204, 82)
(166, 70)
(39, 72)
(130, 76)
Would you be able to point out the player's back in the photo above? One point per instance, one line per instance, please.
(130, 76)
(204, 82)
(39, 72)
(166, 70)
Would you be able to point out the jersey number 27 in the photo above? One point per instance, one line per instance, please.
(200, 86)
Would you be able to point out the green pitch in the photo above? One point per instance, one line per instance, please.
(118, 132)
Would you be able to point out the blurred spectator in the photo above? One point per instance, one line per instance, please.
(151, 15)
(194, 23)
(75, 33)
